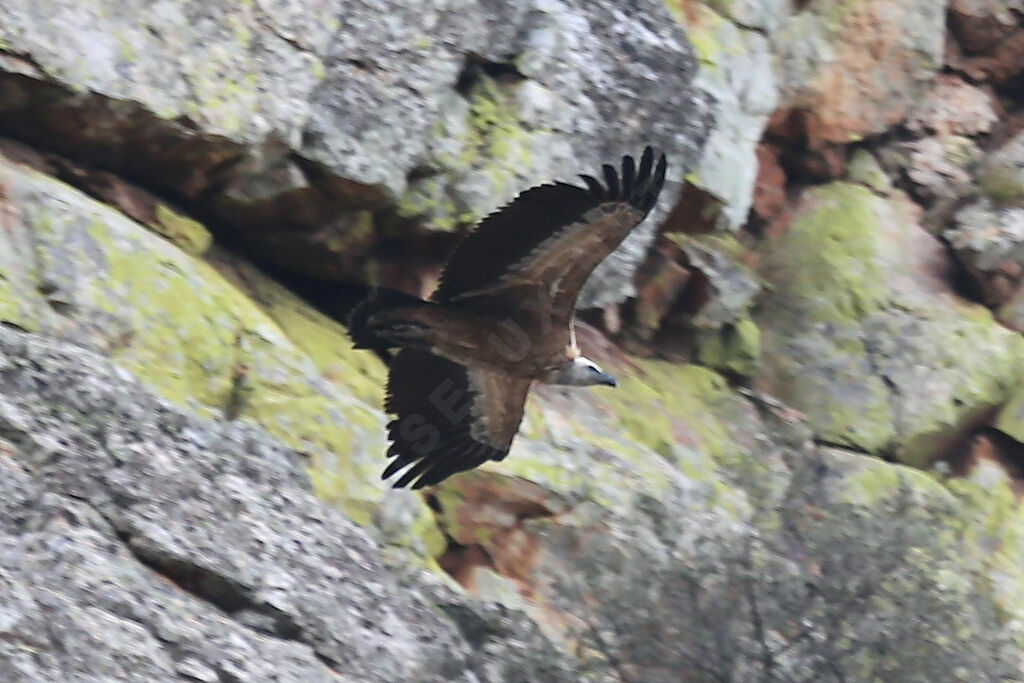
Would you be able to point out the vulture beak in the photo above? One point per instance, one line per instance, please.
(608, 379)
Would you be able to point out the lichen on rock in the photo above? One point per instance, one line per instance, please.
(722, 519)
(872, 326)
(735, 68)
(198, 340)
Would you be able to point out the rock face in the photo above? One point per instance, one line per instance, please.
(854, 69)
(75, 268)
(822, 484)
(266, 117)
(161, 545)
(861, 337)
(165, 545)
(735, 67)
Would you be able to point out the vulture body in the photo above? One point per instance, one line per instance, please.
(461, 363)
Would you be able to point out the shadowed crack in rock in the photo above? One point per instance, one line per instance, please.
(233, 598)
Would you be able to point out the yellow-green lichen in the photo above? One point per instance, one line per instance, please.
(196, 339)
(496, 130)
(188, 234)
(865, 170)
(1011, 417)
(430, 198)
(222, 97)
(21, 302)
(604, 452)
(172, 341)
(127, 50)
(706, 47)
(492, 143)
(835, 254)
(992, 521)
(14, 309)
(716, 41)
(734, 348)
(324, 340)
(1002, 184)
(318, 69)
(667, 404)
(873, 480)
(331, 430)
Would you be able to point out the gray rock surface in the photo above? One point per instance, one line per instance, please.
(775, 558)
(1001, 174)
(298, 133)
(937, 166)
(736, 69)
(140, 543)
(953, 107)
(989, 241)
(857, 68)
(676, 528)
(863, 334)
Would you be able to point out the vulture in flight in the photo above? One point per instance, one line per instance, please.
(501, 318)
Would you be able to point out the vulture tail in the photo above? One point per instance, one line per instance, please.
(380, 336)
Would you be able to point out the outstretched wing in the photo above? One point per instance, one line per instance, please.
(448, 417)
(551, 237)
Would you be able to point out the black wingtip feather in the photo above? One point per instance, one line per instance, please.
(396, 464)
(611, 178)
(595, 187)
(638, 185)
(415, 471)
(657, 182)
(628, 175)
(469, 459)
(646, 163)
(659, 172)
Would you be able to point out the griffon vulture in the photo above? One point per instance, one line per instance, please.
(500, 319)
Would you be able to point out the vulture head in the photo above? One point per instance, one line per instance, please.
(580, 372)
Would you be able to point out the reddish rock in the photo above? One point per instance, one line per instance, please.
(1005, 61)
(695, 213)
(825, 163)
(484, 516)
(870, 63)
(992, 455)
(981, 25)
(461, 562)
(770, 188)
(787, 123)
(660, 281)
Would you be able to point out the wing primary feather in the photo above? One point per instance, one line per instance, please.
(628, 176)
(611, 178)
(646, 164)
(439, 464)
(657, 182)
(594, 186)
(438, 474)
(474, 456)
(659, 172)
(396, 464)
(415, 471)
